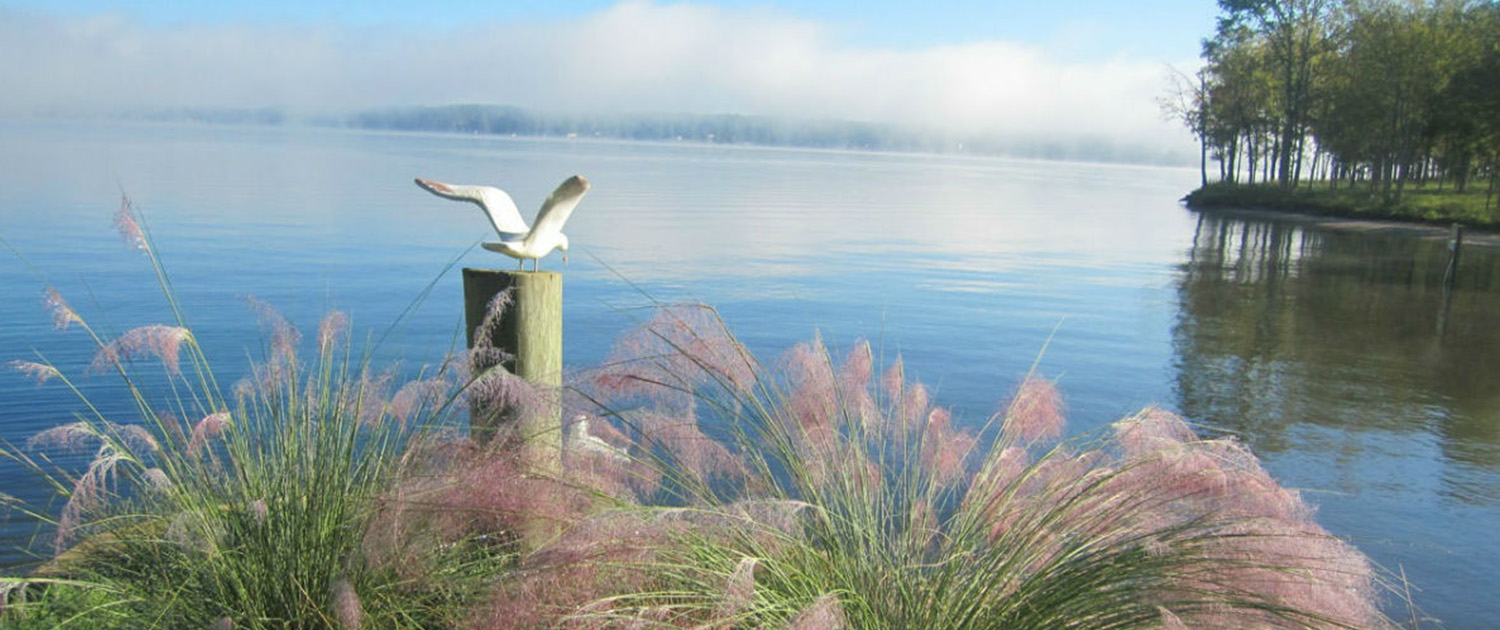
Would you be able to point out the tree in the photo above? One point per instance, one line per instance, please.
(1296, 34)
(1188, 102)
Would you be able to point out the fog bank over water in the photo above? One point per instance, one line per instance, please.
(636, 57)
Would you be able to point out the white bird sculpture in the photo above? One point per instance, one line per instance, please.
(516, 240)
(580, 439)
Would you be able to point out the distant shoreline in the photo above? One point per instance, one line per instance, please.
(716, 129)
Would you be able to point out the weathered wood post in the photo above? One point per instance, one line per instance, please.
(530, 331)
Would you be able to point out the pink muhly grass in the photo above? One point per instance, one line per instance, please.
(739, 590)
(334, 326)
(1293, 564)
(911, 408)
(89, 492)
(858, 366)
(157, 479)
(135, 437)
(284, 336)
(679, 348)
(854, 383)
(73, 436)
(486, 490)
(570, 583)
(1235, 485)
(944, 450)
(685, 443)
(130, 229)
(780, 515)
(995, 481)
(418, 395)
(267, 379)
(824, 613)
(209, 428)
(894, 379)
(159, 340)
(81, 435)
(500, 392)
(62, 314)
(923, 525)
(39, 372)
(814, 399)
(172, 430)
(1035, 414)
(344, 603)
(484, 333)
(364, 398)
(1151, 429)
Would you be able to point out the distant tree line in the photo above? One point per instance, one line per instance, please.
(735, 129)
(725, 128)
(1381, 92)
(747, 129)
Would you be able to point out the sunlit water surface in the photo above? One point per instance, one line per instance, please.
(1331, 353)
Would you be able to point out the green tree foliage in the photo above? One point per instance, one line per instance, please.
(1384, 93)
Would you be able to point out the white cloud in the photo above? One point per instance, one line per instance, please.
(635, 56)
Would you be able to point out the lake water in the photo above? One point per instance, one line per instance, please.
(1330, 352)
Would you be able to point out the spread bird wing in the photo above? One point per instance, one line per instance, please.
(498, 206)
(557, 208)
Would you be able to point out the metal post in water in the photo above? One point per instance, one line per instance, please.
(1455, 246)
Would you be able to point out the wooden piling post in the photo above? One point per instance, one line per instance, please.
(530, 331)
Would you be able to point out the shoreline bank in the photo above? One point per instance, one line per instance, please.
(1421, 212)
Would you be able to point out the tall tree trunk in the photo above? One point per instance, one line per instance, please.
(1203, 161)
(1250, 158)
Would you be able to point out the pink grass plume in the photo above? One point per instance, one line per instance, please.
(62, 314)
(284, 336)
(39, 372)
(1036, 413)
(739, 589)
(210, 427)
(74, 436)
(158, 340)
(157, 479)
(824, 613)
(335, 325)
(129, 227)
(344, 604)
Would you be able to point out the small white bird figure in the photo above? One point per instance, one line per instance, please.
(516, 240)
(580, 438)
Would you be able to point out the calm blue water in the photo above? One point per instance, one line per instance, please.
(1319, 347)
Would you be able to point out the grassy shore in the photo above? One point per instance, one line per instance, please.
(1423, 204)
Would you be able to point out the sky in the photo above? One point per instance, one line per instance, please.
(1065, 67)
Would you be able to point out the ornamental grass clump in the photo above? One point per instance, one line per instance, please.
(830, 497)
(246, 507)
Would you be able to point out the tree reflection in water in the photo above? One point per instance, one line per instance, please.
(1284, 324)
(1332, 353)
